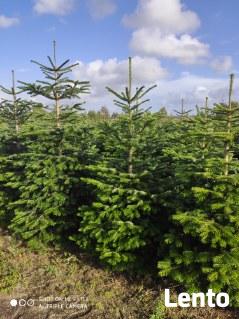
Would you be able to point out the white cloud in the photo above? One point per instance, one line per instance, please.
(169, 16)
(222, 64)
(185, 48)
(193, 89)
(7, 22)
(55, 7)
(101, 8)
(163, 29)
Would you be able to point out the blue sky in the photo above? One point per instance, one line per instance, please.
(187, 47)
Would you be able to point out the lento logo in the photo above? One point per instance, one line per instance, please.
(22, 302)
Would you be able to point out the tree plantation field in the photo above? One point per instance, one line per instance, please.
(151, 199)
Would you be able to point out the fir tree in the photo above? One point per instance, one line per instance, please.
(53, 161)
(15, 111)
(115, 225)
(57, 87)
(183, 112)
(202, 244)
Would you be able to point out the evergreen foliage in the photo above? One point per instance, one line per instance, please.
(202, 244)
(114, 226)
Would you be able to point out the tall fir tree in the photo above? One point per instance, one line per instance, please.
(201, 247)
(115, 224)
(53, 161)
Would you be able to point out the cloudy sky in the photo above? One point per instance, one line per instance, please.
(188, 48)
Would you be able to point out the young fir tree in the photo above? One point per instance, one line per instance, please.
(201, 248)
(50, 192)
(115, 225)
(16, 111)
(183, 112)
(57, 87)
